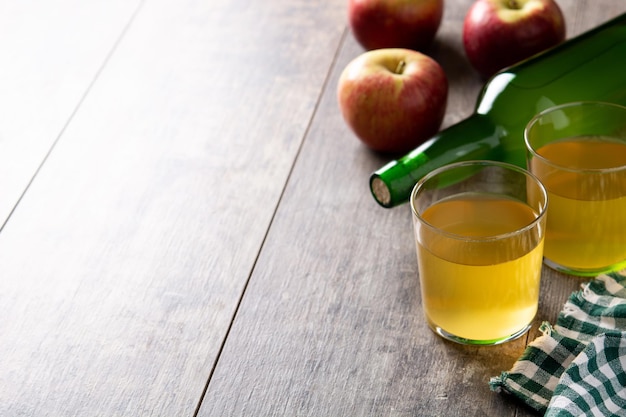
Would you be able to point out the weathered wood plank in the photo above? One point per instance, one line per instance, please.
(125, 261)
(51, 53)
(331, 320)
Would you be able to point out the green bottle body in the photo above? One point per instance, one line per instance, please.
(591, 66)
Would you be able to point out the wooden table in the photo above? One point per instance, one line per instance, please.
(186, 226)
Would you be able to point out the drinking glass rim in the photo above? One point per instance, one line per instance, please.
(549, 162)
(419, 185)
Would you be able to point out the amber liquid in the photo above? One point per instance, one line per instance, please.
(586, 228)
(481, 289)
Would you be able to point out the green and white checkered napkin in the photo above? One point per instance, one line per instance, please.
(577, 367)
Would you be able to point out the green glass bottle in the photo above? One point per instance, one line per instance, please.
(591, 66)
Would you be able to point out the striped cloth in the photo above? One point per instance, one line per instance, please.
(577, 367)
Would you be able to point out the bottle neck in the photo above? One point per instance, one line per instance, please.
(473, 138)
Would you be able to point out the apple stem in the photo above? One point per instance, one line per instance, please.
(400, 67)
(513, 4)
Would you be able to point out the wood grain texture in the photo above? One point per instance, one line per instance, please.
(331, 320)
(52, 51)
(124, 262)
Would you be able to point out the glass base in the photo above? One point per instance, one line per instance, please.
(491, 342)
(581, 272)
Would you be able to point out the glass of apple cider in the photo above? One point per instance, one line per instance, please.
(479, 230)
(578, 151)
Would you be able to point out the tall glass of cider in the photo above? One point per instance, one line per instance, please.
(578, 151)
(479, 230)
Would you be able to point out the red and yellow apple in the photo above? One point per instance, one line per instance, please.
(409, 24)
(500, 33)
(393, 99)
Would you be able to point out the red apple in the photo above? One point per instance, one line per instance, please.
(500, 33)
(395, 24)
(393, 99)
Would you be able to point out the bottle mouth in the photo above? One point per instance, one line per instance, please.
(381, 192)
